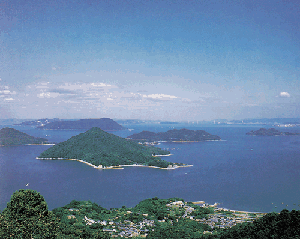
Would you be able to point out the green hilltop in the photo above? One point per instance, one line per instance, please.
(27, 216)
(270, 132)
(10, 136)
(98, 147)
(181, 135)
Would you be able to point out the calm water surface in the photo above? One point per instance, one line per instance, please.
(241, 172)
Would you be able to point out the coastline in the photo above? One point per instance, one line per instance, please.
(161, 155)
(38, 144)
(220, 209)
(1, 145)
(117, 167)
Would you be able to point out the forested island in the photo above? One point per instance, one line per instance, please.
(11, 136)
(27, 216)
(181, 135)
(102, 149)
(82, 124)
(269, 132)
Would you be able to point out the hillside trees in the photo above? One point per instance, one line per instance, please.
(100, 148)
(27, 216)
(272, 225)
(10, 136)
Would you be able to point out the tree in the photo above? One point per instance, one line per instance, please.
(27, 216)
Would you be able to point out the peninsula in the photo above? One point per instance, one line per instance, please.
(11, 136)
(175, 135)
(100, 149)
(269, 132)
(83, 124)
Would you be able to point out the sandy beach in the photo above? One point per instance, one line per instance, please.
(119, 166)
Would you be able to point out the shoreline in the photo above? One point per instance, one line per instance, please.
(2, 145)
(117, 167)
(177, 141)
(37, 144)
(220, 209)
(162, 155)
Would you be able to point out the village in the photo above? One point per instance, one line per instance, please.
(127, 223)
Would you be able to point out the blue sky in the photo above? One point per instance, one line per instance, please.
(160, 60)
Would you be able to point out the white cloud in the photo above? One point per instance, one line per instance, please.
(284, 94)
(7, 92)
(48, 95)
(160, 97)
(92, 98)
(42, 85)
(85, 86)
(100, 85)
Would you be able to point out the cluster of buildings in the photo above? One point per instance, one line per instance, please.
(124, 229)
(226, 219)
(220, 218)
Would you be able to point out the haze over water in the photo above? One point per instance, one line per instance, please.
(240, 172)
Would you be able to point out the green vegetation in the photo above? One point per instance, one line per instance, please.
(272, 225)
(269, 132)
(151, 217)
(10, 136)
(101, 148)
(174, 135)
(27, 216)
(103, 123)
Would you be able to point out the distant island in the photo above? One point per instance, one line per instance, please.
(38, 122)
(82, 124)
(175, 135)
(10, 136)
(269, 132)
(100, 149)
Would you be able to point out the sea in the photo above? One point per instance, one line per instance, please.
(240, 172)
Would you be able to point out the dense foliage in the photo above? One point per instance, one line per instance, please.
(103, 123)
(175, 135)
(101, 148)
(10, 136)
(27, 216)
(273, 225)
(181, 228)
(157, 208)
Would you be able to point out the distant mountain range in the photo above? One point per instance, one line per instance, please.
(10, 136)
(266, 121)
(174, 135)
(269, 132)
(83, 124)
(38, 122)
